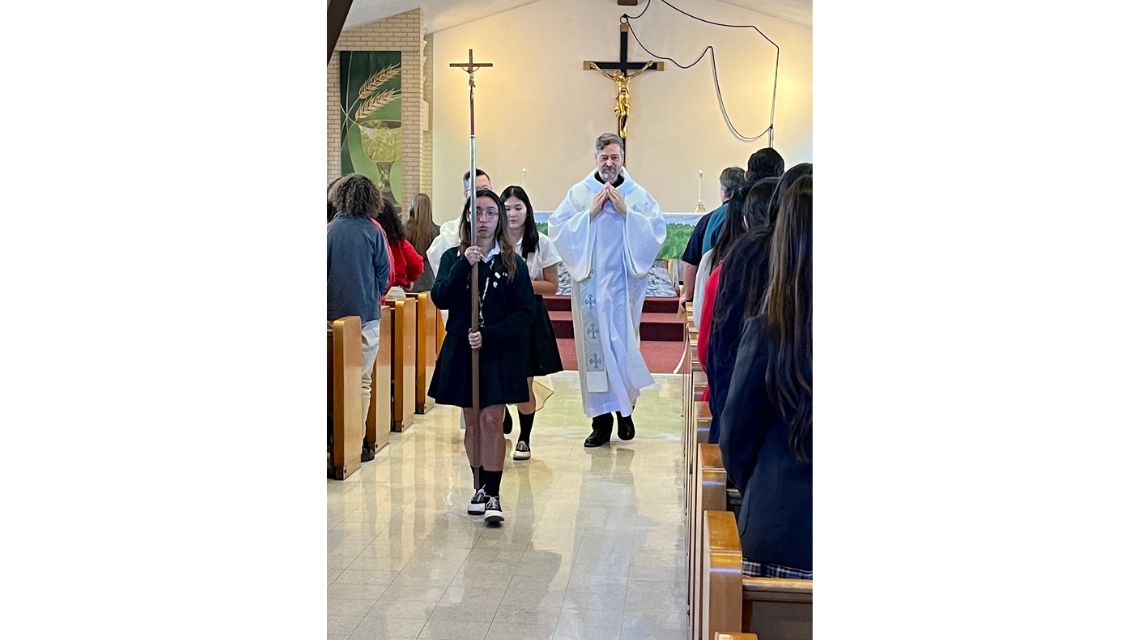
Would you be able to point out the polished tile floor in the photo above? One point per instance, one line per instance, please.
(593, 546)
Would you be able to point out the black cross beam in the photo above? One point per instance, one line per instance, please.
(624, 64)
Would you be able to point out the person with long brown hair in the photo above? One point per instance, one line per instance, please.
(501, 337)
(542, 262)
(753, 217)
(421, 231)
(743, 274)
(766, 428)
(407, 265)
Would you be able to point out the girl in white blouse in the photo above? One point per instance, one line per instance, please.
(542, 262)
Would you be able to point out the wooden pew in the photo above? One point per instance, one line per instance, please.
(694, 384)
(686, 394)
(380, 405)
(426, 349)
(403, 349)
(772, 608)
(344, 362)
(703, 422)
(696, 434)
(709, 495)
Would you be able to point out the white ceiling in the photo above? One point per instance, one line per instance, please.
(444, 14)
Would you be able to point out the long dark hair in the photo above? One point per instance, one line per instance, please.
(356, 195)
(786, 181)
(388, 219)
(787, 312)
(530, 229)
(506, 249)
(733, 227)
(419, 223)
(757, 203)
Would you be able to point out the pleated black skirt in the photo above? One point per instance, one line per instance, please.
(544, 357)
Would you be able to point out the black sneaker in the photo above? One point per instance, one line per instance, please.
(494, 511)
(625, 427)
(508, 424)
(366, 454)
(478, 503)
(522, 451)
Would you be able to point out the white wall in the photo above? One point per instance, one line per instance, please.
(538, 109)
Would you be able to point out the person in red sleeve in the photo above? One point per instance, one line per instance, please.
(407, 264)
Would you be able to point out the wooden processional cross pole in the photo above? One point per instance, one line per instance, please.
(471, 67)
(619, 72)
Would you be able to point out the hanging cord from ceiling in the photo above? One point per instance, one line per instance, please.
(770, 131)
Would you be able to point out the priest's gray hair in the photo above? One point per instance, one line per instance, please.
(607, 139)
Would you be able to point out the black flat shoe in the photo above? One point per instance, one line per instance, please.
(625, 427)
(602, 426)
(366, 454)
(597, 439)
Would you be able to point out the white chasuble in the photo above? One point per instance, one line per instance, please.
(608, 259)
(448, 237)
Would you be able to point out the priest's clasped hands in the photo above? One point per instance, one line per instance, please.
(608, 192)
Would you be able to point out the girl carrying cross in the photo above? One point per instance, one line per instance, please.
(502, 338)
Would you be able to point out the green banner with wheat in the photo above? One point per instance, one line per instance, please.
(370, 134)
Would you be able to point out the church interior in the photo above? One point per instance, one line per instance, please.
(975, 370)
(620, 541)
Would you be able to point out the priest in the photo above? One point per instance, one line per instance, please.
(608, 231)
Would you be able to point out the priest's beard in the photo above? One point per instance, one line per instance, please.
(609, 175)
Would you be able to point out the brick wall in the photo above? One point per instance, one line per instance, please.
(426, 158)
(403, 32)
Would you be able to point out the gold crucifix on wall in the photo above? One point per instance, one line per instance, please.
(619, 72)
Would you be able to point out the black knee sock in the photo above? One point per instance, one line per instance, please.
(475, 471)
(526, 423)
(492, 480)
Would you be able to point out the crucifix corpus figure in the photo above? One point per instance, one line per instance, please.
(622, 102)
(619, 72)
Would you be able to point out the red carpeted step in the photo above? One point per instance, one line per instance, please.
(654, 326)
(660, 305)
(557, 303)
(660, 357)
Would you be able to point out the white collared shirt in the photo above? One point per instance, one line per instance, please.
(492, 253)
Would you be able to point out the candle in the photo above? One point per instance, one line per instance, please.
(700, 182)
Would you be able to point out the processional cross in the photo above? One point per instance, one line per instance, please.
(619, 73)
(471, 67)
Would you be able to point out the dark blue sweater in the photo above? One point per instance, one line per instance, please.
(357, 268)
(775, 518)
